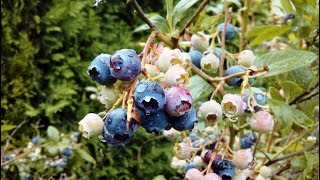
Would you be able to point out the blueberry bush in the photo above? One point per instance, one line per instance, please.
(193, 90)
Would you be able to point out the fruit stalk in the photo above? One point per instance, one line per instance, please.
(244, 24)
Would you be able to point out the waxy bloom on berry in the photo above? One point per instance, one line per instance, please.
(242, 158)
(233, 105)
(91, 125)
(262, 122)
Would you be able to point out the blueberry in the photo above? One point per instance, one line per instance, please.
(155, 122)
(8, 157)
(288, 17)
(225, 169)
(216, 51)
(193, 136)
(258, 95)
(178, 101)
(35, 140)
(195, 57)
(230, 30)
(67, 152)
(215, 162)
(184, 122)
(196, 143)
(188, 166)
(149, 96)
(208, 138)
(62, 164)
(115, 131)
(125, 64)
(237, 80)
(248, 140)
(99, 70)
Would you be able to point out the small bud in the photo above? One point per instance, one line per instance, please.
(233, 105)
(262, 122)
(91, 125)
(210, 111)
(246, 58)
(176, 75)
(182, 150)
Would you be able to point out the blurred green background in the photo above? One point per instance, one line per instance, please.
(46, 47)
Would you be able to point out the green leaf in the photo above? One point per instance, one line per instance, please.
(199, 88)
(159, 21)
(53, 133)
(299, 163)
(169, 6)
(291, 90)
(52, 149)
(288, 115)
(287, 6)
(285, 61)
(7, 127)
(236, 2)
(204, 22)
(259, 34)
(274, 93)
(86, 156)
(180, 10)
(159, 177)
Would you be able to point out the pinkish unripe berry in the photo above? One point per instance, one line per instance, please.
(193, 174)
(242, 158)
(262, 122)
(178, 101)
(211, 176)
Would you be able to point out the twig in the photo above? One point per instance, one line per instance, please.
(244, 24)
(221, 83)
(292, 154)
(159, 35)
(130, 102)
(307, 98)
(256, 145)
(194, 16)
(270, 138)
(305, 93)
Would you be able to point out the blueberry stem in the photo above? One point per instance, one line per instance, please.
(130, 102)
(146, 49)
(221, 83)
(270, 138)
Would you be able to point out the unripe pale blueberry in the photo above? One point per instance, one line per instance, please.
(265, 171)
(210, 111)
(186, 59)
(200, 41)
(262, 122)
(176, 75)
(178, 101)
(177, 163)
(242, 175)
(242, 158)
(167, 58)
(246, 58)
(197, 160)
(170, 133)
(182, 151)
(91, 125)
(193, 174)
(108, 96)
(152, 70)
(212, 176)
(233, 105)
(209, 62)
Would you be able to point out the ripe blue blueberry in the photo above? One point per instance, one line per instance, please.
(225, 169)
(196, 143)
(99, 70)
(237, 80)
(230, 30)
(184, 122)
(190, 165)
(155, 122)
(193, 136)
(67, 152)
(149, 96)
(208, 138)
(115, 131)
(248, 140)
(125, 64)
(35, 140)
(258, 95)
(195, 57)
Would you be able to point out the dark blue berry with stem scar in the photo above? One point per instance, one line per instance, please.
(248, 140)
(67, 152)
(35, 140)
(210, 138)
(115, 130)
(190, 165)
(125, 64)
(155, 122)
(237, 80)
(149, 96)
(225, 169)
(230, 30)
(195, 57)
(99, 70)
(184, 122)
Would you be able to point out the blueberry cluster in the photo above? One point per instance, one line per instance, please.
(156, 106)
